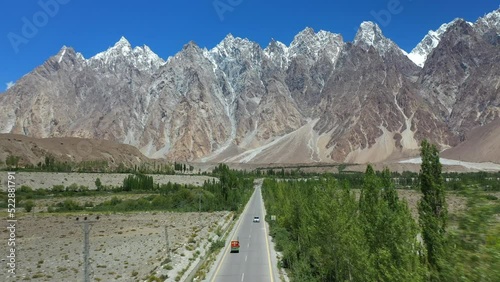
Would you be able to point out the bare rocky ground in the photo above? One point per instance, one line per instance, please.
(456, 204)
(123, 247)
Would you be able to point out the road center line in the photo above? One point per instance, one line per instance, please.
(242, 276)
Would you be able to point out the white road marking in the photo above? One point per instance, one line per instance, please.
(242, 276)
(246, 257)
(267, 246)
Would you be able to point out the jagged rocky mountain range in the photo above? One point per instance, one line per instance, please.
(320, 99)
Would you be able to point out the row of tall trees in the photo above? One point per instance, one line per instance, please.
(183, 167)
(137, 182)
(326, 233)
(12, 161)
(389, 229)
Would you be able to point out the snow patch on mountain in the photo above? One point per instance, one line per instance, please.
(488, 22)
(277, 53)
(69, 55)
(420, 53)
(142, 58)
(311, 44)
(370, 34)
(62, 54)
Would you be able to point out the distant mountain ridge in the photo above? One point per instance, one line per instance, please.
(319, 99)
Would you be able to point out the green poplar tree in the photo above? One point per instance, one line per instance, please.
(389, 194)
(369, 206)
(432, 208)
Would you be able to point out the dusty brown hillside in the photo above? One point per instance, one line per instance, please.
(481, 145)
(34, 150)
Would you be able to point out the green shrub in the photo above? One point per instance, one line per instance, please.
(67, 206)
(491, 197)
(217, 245)
(57, 188)
(29, 205)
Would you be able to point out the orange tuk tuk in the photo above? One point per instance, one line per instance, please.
(235, 246)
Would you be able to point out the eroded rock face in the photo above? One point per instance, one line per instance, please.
(461, 78)
(329, 100)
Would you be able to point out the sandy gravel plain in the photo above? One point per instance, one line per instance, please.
(123, 246)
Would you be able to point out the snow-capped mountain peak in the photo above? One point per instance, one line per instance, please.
(277, 52)
(229, 37)
(310, 44)
(61, 53)
(420, 53)
(121, 48)
(142, 58)
(68, 54)
(123, 42)
(235, 47)
(489, 21)
(370, 34)
(147, 57)
(230, 42)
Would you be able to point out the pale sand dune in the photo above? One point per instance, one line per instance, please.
(481, 145)
(485, 166)
(300, 146)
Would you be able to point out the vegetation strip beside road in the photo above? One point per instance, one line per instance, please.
(326, 233)
(271, 274)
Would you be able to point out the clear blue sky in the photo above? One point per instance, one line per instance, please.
(91, 26)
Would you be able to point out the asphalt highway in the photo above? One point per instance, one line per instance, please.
(253, 262)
